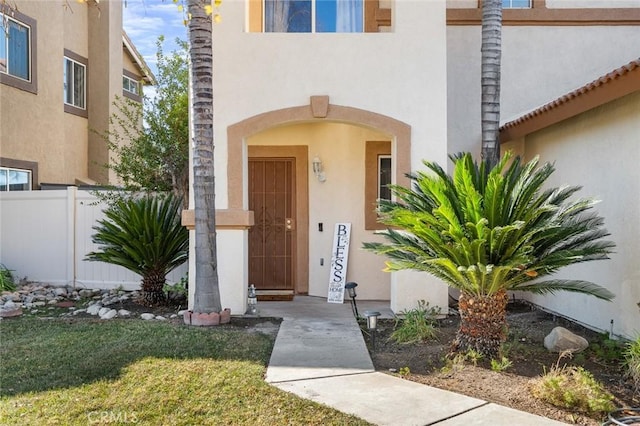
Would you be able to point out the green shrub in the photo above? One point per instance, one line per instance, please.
(501, 365)
(632, 362)
(607, 350)
(418, 324)
(574, 388)
(7, 282)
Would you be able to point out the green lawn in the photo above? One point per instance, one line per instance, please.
(55, 371)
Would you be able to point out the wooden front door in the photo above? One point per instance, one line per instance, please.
(272, 238)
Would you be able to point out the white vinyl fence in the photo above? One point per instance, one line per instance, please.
(45, 235)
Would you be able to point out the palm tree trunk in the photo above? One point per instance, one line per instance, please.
(207, 291)
(483, 323)
(152, 289)
(490, 80)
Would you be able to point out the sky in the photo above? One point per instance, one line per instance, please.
(145, 20)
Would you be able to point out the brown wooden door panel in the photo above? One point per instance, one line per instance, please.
(271, 253)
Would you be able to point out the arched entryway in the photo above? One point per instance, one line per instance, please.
(244, 142)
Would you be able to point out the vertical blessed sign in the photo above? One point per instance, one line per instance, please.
(339, 261)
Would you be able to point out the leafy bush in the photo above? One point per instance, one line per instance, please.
(144, 235)
(417, 325)
(632, 362)
(575, 388)
(607, 350)
(7, 282)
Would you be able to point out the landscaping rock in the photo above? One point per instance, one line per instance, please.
(560, 340)
(160, 318)
(111, 313)
(124, 313)
(94, 309)
(10, 309)
(147, 316)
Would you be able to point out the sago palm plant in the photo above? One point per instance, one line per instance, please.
(485, 232)
(145, 236)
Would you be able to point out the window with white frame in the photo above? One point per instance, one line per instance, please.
(75, 83)
(320, 16)
(14, 179)
(516, 4)
(130, 85)
(15, 48)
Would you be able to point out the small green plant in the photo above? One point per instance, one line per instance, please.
(452, 363)
(632, 363)
(500, 365)
(607, 350)
(404, 372)
(179, 289)
(573, 387)
(473, 356)
(417, 325)
(7, 282)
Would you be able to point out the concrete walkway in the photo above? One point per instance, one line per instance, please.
(320, 354)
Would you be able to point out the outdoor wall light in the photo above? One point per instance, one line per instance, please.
(351, 291)
(372, 325)
(317, 169)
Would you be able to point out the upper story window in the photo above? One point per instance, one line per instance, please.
(15, 48)
(130, 85)
(322, 16)
(316, 16)
(74, 83)
(14, 179)
(516, 4)
(18, 51)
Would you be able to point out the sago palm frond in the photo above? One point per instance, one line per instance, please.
(485, 231)
(143, 235)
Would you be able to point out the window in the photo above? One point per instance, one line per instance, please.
(74, 83)
(14, 179)
(516, 4)
(130, 85)
(377, 177)
(305, 16)
(14, 48)
(17, 54)
(384, 177)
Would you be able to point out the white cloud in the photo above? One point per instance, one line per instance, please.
(145, 20)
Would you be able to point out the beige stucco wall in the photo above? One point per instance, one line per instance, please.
(539, 64)
(399, 74)
(34, 127)
(21, 138)
(600, 150)
(105, 53)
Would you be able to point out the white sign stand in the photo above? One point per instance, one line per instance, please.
(339, 261)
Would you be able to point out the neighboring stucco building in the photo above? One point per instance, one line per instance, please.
(368, 104)
(62, 64)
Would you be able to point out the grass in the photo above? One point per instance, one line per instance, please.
(144, 372)
(632, 362)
